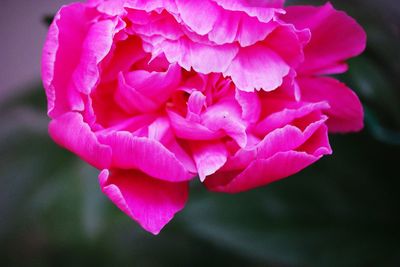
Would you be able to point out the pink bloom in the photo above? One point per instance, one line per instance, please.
(155, 93)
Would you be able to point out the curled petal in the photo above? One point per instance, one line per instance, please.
(191, 130)
(70, 131)
(284, 139)
(287, 115)
(145, 154)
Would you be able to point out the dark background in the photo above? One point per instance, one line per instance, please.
(342, 211)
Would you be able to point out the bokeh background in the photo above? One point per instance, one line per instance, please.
(342, 211)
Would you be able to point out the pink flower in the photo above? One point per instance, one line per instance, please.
(155, 93)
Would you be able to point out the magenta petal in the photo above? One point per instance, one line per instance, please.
(209, 157)
(226, 116)
(150, 202)
(287, 115)
(283, 139)
(263, 10)
(61, 51)
(191, 130)
(202, 58)
(264, 171)
(199, 16)
(95, 47)
(346, 112)
(195, 104)
(336, 37)
(71, 132)
(147, 155)
(250, 104)
(257, 68)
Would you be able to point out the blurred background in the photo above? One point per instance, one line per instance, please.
(342, 211)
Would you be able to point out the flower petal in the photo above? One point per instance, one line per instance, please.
(150, 202)
(336, 37)
(346, 112)
(199, 16)
(70, 131)
(257, 68)
(264, 171)
(203, 58)
(145, 154)
(250, 104)
(209, 157)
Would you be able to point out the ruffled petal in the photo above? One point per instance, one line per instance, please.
(287, 138)
(70, 131)
(345, 113)
(150, 202)
(264, 171)
(257, 68)
(203, 58)
(199, 16)
(285, 116)
(263, 10)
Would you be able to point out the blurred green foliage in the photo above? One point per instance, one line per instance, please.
(342, 211)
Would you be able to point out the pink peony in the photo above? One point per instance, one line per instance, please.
(155, 93)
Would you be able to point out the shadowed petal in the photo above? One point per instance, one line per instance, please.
(150, 202)
(336, 37)
(345, 113)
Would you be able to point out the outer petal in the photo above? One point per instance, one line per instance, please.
(147, 155)
(73, 50)
(287, 115)
(71, 132)
(263, 171)
(257, 67)
(284, 139)
(150, 202)
(336, 37)
(346, 113)
(59, 52)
